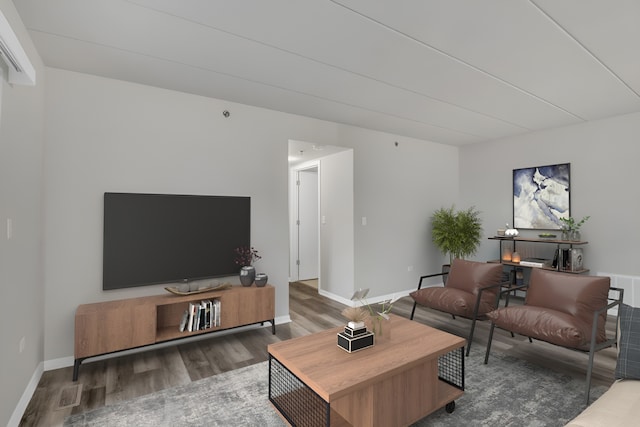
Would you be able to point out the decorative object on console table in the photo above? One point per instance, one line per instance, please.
(576, 259)
(506, 254)
(245, 257)
(217, 287)
(571, 228)
(535, 262)
(261, 279)
(565, 265)
(515, 258)
(247, 275)
(511, 232)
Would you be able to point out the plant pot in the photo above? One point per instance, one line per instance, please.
(247, 275)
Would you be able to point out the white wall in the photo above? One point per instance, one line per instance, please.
(21, 154)
(336, 225)
(108, 135)
(397, 188)
(604, 178)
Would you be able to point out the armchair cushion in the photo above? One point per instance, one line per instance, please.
(628, 364)
(559, 309)
(548, 325)
(461, 289)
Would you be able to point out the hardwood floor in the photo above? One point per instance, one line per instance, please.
(121, 378)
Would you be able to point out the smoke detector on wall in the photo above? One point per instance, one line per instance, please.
(21, 71)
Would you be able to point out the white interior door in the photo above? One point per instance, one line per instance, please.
(308, 224)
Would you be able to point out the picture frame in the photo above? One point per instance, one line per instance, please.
(541, 196)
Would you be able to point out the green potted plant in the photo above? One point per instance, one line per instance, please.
(456, 233)
(571, 228)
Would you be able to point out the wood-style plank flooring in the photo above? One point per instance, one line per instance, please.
(116, 379)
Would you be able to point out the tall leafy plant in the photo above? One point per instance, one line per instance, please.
(456, 233)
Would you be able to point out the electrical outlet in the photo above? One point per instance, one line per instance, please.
(23, 343)
(9, 228)
(410, 268)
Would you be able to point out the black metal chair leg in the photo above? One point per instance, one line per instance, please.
(470, 340)
(413, 311)
(486, 355)
(589, 371)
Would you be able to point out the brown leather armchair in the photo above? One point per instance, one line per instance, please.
(568, 310)
(469, 291)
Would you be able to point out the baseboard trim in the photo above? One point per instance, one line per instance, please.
(372, 300)
(14, 421)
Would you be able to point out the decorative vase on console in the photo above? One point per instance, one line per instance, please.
(571, 228)
(247, 275)
(245, 257)
(261, 279)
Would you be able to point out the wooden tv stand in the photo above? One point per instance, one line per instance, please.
(112, 326)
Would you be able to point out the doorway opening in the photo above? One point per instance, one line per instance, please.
(305, 248)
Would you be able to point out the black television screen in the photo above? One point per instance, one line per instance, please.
(163, 238)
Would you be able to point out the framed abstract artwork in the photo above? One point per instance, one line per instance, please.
(541, 196)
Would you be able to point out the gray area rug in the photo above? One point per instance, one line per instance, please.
(506, 392)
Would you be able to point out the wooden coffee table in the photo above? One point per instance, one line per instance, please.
(313, 382)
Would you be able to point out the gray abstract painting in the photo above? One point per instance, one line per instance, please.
(541, 196)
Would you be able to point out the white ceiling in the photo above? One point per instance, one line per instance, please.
(450, 71)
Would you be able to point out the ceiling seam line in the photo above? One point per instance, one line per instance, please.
(473, 67)
(393, 85)
(583, 47)
(267, 84)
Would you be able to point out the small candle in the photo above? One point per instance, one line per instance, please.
(515, 257)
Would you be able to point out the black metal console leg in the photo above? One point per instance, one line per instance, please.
(273, 325)
(76, 368)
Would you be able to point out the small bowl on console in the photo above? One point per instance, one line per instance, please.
(261, 279)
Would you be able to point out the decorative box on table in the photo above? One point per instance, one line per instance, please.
(355, 337)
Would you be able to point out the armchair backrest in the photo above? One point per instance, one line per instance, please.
(470, 276)
(577, 295)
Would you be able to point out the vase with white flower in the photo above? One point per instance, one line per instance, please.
(378, 320)
(245, 257)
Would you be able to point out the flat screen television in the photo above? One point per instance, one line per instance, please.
(163, 238)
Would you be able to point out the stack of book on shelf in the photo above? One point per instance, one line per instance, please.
(201, 315)
(535, 262)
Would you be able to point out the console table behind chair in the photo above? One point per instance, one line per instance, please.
(566, 310)
(469, 291)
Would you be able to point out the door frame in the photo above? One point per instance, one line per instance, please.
(293, 218)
